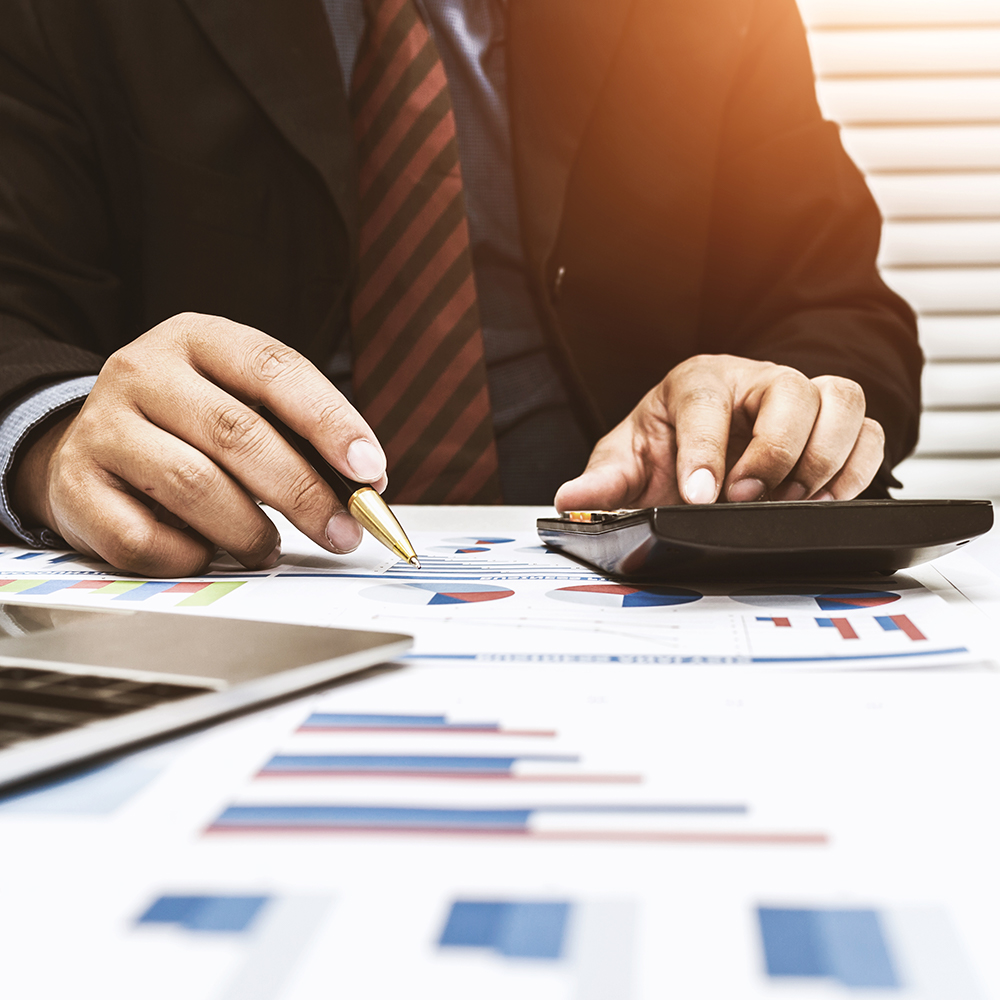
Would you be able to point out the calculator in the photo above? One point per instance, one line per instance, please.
(769, 540)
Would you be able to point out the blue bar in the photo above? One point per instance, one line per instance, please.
(384, 762)
(49, 587)
(825, 623)
(205, 913)
(533, 930)
(30, 555)
(386, 817)
(356, 720)
(145, 590)
(415, 817)
(887, 623)
(856, 950)
(70, 557)
(792, 945)
(845, 945)
(472, 925)
(514, 930)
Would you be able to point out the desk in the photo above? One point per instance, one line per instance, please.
(581, 826)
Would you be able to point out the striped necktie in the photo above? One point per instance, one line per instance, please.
(419, 374)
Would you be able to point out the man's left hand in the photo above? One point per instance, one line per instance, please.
(721, 427)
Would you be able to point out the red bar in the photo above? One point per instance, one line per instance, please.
(90, 584)
(612, 836)
(905, 625)
(186, 588)
(845, 628)
(782, 622)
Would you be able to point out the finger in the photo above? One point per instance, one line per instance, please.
(786, 408)
(183, 480)
(263, 370)
(841, 415)
(251, 450)
(632, 466)
(612, 476)
(700, 405)
(860, 468)
(121, 530)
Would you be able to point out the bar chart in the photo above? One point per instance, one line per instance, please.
(849, 628)
(590, 941)
(473, 777)
(908, 950)
(373, 722)
(182, 594)
(608, 823)
(522, 767)
(270, 933)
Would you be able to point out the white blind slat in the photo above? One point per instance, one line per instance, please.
(909, 53)
(962, 385)
(947, 290)
(911, 100)
(947, 196)
(960, 337)
(929, 243)
(837, 13)
(960, 432)
(945, 478)
(946, 147)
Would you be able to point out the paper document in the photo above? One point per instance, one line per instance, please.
(572, 789)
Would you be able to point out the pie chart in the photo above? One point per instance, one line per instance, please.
(442, 592)
(840, 599)
(618, 595)
(463, 551)
(470, 540)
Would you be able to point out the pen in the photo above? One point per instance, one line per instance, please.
(362, 501)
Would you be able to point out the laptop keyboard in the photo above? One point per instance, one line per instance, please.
(38, 702)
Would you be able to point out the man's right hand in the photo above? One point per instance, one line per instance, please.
(164, 461)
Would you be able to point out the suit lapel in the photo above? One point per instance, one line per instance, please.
(283, 53)
(558, 55)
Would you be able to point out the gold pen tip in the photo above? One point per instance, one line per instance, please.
(414, 561)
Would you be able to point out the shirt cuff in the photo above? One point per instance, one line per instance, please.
(16, 423)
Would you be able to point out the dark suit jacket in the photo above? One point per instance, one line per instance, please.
(678, 189)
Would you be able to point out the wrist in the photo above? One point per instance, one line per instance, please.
(31, 477)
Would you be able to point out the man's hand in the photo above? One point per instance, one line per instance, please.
(719, 426)
(164, 461)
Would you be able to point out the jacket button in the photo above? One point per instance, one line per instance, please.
(557, 283)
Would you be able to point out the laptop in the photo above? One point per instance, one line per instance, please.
(75, 684)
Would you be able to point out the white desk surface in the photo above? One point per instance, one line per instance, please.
(659, 809)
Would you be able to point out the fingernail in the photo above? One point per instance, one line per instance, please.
(700, 487)
(343, 533)
(272, 558)
(746, 491)
(824, 495)
(792, 492)
(366, 461)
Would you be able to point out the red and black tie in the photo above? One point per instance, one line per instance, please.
(419, 373)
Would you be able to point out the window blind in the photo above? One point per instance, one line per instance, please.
(915, 86)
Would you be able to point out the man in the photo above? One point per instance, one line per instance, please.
(670, 249)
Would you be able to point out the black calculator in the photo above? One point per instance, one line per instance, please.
(770, 540)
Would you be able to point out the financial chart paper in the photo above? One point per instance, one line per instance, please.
(571, 789)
